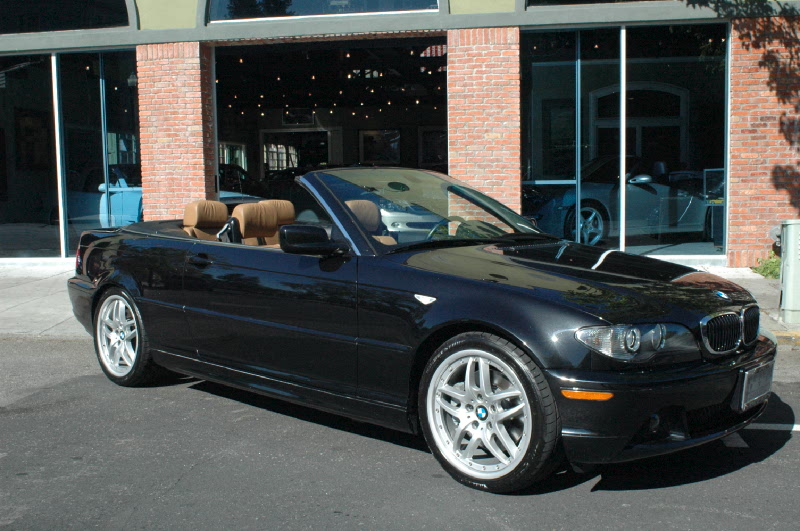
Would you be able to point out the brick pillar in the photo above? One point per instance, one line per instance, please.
(176, 126)
(765, 135)
(483, 111)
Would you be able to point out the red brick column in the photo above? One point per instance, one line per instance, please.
(176, 126)
(483, 110)
(765, 135)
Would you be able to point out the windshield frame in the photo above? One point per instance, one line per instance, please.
(512, 221)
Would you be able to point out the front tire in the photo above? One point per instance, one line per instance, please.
(120, 341)
(487, 413)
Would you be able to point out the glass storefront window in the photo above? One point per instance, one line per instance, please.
(28, 184)
(676, 137)
(79, 80)
(99, 113)
(244, 9)
(674, 131)
(26, 16)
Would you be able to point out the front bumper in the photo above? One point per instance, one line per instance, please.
(654, 412)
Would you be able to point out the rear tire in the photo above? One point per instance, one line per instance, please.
(487, 413)
(120, 341)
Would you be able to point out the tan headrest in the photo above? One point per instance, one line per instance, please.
(256, 220)
(205, 214)
(284, 210)
(366, 212)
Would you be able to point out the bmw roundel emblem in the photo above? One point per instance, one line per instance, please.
(722, 295)
(481, 413)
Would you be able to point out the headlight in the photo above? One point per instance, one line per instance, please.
(637, 343)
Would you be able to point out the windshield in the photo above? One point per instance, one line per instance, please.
(397, 207)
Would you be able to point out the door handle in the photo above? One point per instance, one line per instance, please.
(199, 260)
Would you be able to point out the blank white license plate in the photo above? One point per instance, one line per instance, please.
(756, 385)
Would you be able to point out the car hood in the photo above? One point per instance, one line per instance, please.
(611, 285)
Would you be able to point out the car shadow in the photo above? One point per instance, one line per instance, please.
(307, 414)
(694, 465)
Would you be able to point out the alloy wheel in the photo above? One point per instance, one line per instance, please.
(117, 335)
(480, 414)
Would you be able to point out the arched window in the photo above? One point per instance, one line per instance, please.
(29, 16)
(657, 120)
(244, 9)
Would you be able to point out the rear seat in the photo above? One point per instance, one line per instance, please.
(258, 223)
(203, 219)
(284, 211)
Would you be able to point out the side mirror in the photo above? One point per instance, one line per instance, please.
(641, 179)
(308, 239)
(534, 219)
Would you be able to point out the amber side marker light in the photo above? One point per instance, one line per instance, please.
(587, 395)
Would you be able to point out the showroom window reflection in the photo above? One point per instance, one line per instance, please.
(675, 123)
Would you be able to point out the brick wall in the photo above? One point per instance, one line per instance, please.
(765, 135)
(176, 126)
(483, 108)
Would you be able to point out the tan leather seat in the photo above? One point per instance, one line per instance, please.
(369, 215)
(203, 219)
(257, 222)
(286, 216)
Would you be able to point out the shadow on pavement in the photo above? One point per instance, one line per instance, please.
(704, 462)
(323, 418)
(694, 465)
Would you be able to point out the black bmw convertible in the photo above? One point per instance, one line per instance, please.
(406, 299)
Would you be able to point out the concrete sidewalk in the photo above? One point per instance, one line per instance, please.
(34, 300)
